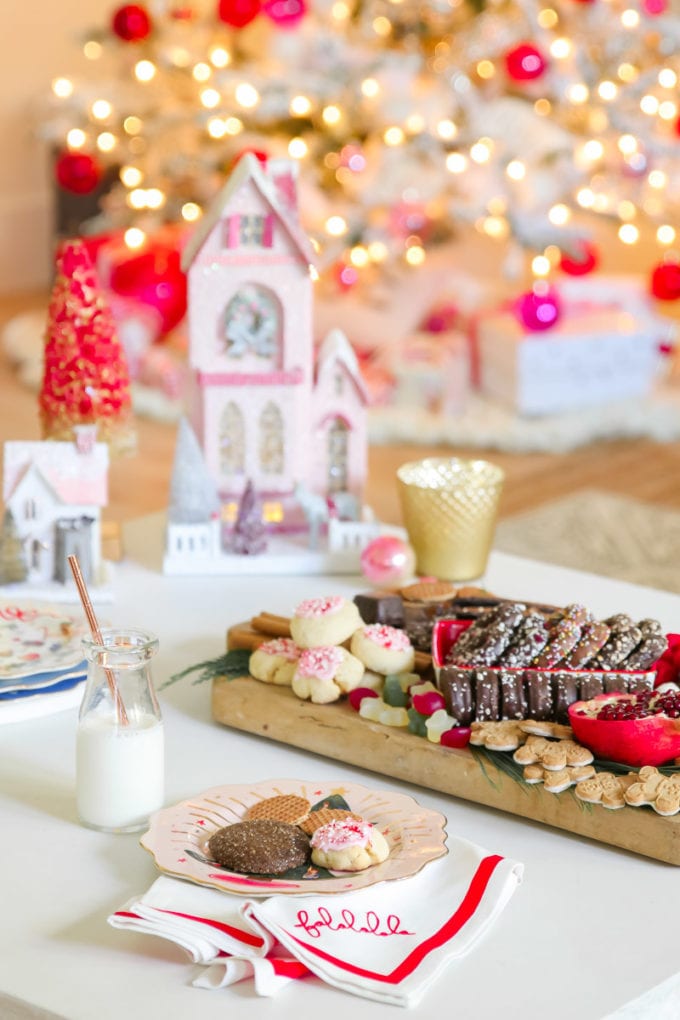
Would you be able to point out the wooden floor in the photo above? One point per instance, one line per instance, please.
(640, 468)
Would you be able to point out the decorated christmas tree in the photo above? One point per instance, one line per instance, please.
(13, 567)
(249, 535)
(85, 377)
(522, 120)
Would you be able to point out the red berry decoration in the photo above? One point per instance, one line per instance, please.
(459, 736)
(665, 282)
(77, 172)
(632, 729)
(131, 23)
(358, 694)
(238, 13)
(582, 262)
(525, 62)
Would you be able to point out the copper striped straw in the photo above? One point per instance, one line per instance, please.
(97, 635)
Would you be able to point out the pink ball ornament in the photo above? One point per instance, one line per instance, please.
(525, 62)
(654, 7)
(285, 13)
(388, 560)
(538, 310)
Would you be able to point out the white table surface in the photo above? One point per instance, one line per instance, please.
(590, 928)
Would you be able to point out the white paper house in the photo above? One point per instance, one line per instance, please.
(56, 491)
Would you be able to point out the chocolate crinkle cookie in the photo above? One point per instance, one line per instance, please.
(259, 847)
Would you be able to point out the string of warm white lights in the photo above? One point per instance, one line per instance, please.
(407, 117)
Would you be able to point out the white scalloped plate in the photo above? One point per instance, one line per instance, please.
(178, 836)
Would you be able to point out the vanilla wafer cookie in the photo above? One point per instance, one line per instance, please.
(315, 819)
(287, 807)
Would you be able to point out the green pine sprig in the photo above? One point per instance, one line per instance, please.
(232, 664)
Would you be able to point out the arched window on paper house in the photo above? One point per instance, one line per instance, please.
(232, 440)
(271, 440)
(338, 451)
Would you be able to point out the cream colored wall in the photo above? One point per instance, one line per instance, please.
(41, 42)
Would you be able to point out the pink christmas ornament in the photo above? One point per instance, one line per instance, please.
(285, 13)
(654, 7)
(538, 310)
(388, 560)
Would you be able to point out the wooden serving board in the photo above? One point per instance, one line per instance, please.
(337, 731)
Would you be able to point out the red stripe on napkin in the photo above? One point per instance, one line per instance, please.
(235, 933)
(288, 967)
(465, 911)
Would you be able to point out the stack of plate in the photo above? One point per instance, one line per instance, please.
(42, 668)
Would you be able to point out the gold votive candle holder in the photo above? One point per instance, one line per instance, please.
(450, 506)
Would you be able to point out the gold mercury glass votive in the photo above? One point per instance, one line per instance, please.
(449, 508)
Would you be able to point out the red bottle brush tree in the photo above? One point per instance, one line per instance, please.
(86, 378)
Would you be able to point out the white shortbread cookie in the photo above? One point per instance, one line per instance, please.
(274, 662)
(348, 845)
(327, 621)
(383, 649)
(324, 674)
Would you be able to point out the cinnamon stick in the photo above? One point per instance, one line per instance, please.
(269, 623)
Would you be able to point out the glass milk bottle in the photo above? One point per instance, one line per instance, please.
(119, 743)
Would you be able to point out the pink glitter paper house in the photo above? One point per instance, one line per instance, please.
(264, 406)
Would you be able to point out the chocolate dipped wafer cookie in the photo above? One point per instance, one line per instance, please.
(624, 637)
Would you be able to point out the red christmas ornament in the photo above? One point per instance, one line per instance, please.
(131, 23)
(77, 172)
(665, 282)
(155, 278)
(582, 263)
(85, 378)
(525, 62)
(538, 310)
(285, 13)
(238, 13)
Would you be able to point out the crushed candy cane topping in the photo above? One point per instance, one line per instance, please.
(388, 637)
(340, 834)
(321, 662)
(285, 647)
(312, 608)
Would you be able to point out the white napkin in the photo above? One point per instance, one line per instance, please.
(387, 942)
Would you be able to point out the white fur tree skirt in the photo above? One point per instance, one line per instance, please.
(489, 426)
(483, 425)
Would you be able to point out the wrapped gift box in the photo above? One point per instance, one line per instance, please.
(594, 355)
